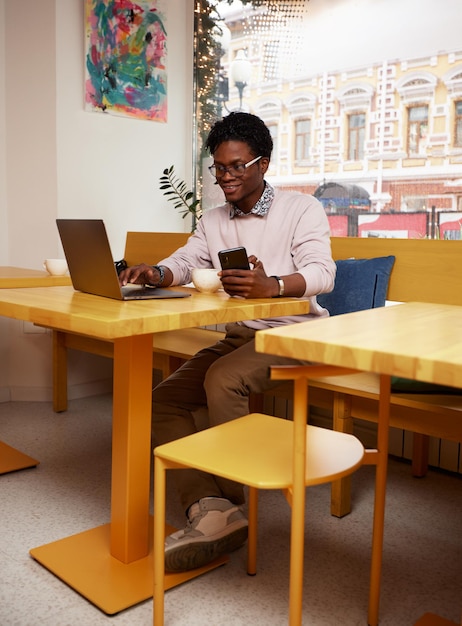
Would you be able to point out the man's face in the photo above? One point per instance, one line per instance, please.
(243, 191)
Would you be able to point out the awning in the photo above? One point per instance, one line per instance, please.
(342, 195)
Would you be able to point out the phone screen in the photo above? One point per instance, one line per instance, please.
(234, 259)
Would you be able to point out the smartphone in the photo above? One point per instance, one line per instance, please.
(234, 259)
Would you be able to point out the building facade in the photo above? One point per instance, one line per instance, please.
(393, 128)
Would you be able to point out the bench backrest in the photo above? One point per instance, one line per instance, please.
(425, 270)
(148, 247)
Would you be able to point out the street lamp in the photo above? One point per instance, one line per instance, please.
(241, 72)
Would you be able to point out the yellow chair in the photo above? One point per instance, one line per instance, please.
(289, 456)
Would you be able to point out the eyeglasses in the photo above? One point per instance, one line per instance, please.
(236, 171)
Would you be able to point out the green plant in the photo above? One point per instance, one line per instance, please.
(178, 193)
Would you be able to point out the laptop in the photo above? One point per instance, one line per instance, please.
(91, 266)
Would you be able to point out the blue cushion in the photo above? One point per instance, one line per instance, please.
(360, 284)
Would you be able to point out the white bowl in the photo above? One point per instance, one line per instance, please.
(55, 267)
(206, 280)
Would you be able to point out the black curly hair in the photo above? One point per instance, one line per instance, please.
(238, 126)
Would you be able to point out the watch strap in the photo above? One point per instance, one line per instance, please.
(281, 286)
(161, 271)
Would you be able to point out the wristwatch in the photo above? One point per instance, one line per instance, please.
(160, 269)
(281, 286)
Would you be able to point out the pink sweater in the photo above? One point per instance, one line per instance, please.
(292, 237)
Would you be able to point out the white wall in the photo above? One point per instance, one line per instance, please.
(30, 97)
(56, 160)
(109, 166)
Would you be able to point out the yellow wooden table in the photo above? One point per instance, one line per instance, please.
(413, 340)
(111, 565)
(12, 459)
(12, 277)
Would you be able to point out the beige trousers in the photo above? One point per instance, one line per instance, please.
(220, 378)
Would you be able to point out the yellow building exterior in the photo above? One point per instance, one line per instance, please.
(393, 127)
(399, 171)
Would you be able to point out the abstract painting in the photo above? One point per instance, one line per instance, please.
(126, 58)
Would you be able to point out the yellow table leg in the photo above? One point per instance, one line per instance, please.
(12, 460)
(379, 502)
(131, 447)
(297, 533)
(160, 580)
(112, 565)
(83, 561)
(431, 619)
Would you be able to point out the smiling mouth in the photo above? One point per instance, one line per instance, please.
(229, 188)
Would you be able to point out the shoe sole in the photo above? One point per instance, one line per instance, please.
(194, 554)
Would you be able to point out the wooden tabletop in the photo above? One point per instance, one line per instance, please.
(412, 340)
(66, 309)
(11, 277)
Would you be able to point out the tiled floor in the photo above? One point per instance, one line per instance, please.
(69, 492)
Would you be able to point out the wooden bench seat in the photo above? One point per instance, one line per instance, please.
(170, 350)
(424, 271)
(357, 397)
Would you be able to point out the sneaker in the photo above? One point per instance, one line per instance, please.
(215, 526)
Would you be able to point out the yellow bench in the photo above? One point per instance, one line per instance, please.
(424, 271)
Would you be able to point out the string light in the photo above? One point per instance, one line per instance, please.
(269, 26)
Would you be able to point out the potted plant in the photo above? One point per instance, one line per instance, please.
(177, 192)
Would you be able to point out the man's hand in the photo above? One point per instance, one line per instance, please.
(252, 283)
(140, 275)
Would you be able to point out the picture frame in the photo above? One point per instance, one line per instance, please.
(126, 58)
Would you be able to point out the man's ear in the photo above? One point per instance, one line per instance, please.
(264, 164)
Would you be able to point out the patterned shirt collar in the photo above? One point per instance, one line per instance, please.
(261, 207)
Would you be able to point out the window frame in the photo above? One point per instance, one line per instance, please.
(272, 124)
(419, 124)
(305, 137)
(457, 124)
(356, 131)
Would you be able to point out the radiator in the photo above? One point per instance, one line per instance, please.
(443, 454)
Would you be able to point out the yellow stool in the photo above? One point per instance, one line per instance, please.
(289, 456)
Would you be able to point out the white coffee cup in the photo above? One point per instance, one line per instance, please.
(55, 267)
(206, 280)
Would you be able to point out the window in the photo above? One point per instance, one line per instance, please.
(417, 129)
(458, 124)
(356, 136)
(414, 203)
(273, 129)
(302, 139)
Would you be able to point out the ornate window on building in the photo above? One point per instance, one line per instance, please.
(356, 136)
(302, 131)
(417, 131)
(458, 124)
(417, 87)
